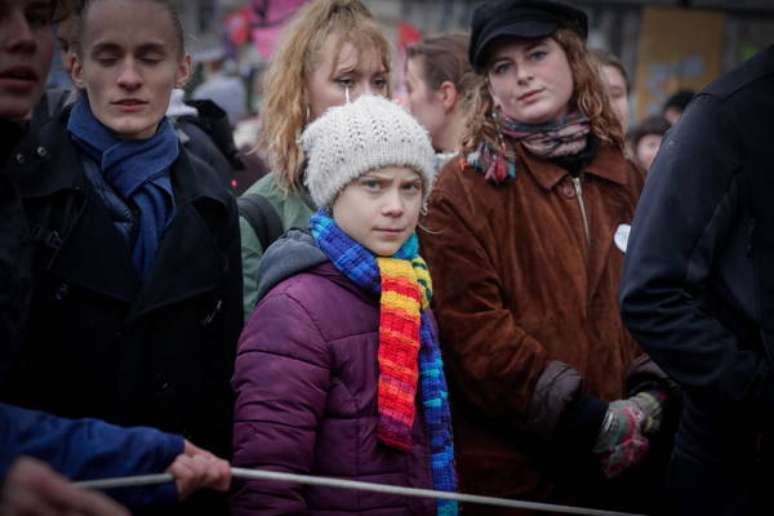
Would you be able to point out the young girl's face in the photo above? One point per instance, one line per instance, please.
(380, 209)
(130, 60)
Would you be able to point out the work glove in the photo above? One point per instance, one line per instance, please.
(621, 443)
(651, 403)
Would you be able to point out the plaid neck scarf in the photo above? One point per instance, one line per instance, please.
(564, 137)
(409, 354)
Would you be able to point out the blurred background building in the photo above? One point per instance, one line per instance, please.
(665, 45)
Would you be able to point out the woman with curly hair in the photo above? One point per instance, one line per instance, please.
(525, 238)
(332, 51)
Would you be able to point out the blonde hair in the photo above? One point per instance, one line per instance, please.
(588, 97)
(285, 106)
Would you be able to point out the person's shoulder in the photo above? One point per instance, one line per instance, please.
(265, 186)
(757, 72)
(456, 177)
(327, 297)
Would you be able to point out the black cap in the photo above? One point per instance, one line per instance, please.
(525, 19)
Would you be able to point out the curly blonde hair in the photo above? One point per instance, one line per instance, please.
(285, 105)
(588, 97)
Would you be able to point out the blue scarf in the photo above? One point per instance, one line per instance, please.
(361, 266)
(138, 170)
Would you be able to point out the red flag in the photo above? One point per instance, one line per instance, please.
(407, 34)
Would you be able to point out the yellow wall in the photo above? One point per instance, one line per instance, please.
(678, 49)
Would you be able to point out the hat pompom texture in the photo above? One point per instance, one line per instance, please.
(368, 134)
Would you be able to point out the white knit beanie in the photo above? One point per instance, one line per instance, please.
(367, 134)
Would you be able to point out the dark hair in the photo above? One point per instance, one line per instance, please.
(653, 124)
(606, 58)
(445, 58)
(679, 100)
(62, 9)
(169, 5)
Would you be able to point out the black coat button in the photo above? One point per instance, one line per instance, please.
(62, 291)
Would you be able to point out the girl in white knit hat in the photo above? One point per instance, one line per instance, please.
(339, 372)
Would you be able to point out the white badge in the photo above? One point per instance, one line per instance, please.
(621, 237)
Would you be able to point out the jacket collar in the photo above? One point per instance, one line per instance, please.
(609, 163)
(48, 146)
(191, 178)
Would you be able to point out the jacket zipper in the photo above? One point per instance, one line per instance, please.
(579, 193)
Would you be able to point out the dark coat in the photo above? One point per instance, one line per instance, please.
(14, 254)
(306, 382)
(100, 342)
(697, 289)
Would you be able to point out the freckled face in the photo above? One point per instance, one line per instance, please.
(531, 81)
(130, 61)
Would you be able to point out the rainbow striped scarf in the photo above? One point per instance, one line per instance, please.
(409, 353)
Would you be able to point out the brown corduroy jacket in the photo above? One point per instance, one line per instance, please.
(526, 279)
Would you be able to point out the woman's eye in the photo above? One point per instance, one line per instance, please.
(412, 187)
(345, 82)
(537, 55)
(380, 84)
(501, 68)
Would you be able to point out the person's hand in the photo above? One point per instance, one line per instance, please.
(195, 469)
(651, 403)
(621, 443)
(31, 488)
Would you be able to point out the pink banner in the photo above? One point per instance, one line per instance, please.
(268, 19)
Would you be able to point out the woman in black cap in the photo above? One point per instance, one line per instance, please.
(525, 238)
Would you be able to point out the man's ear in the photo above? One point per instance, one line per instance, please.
(449, 95)
(76, 71)
(183, 71)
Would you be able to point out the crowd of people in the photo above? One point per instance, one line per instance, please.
(492, 287)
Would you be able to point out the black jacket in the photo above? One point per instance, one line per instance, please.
(690, 291)
(101, 343)
(698, 286)
(14, 253)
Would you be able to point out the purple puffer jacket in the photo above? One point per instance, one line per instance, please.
(306, 383)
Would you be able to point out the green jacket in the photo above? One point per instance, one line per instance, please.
(294, 210)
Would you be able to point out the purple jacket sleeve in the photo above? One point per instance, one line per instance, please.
(86, 449)
(281, 379)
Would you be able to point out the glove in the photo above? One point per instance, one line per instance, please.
(651, 403)
(621, 443)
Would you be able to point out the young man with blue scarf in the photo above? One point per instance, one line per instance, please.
(135, 306)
